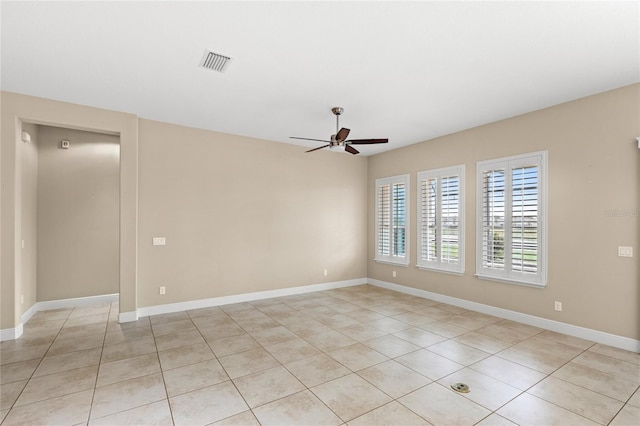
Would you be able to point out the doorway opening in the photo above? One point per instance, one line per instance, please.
(70, 214)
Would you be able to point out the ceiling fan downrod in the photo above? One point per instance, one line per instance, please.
(337, 111)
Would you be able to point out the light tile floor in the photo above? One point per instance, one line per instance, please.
(359, 356)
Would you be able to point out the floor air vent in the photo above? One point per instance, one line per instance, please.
(214, 61)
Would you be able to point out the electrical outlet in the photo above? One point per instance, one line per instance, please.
(163, 290)
(326, 272)
(558, 306)
(394, 274)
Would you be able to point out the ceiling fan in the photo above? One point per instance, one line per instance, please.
(339, 140)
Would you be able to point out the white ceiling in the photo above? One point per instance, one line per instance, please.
(407, 71)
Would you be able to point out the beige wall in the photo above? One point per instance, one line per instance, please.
(593, 207)
(311, 212)
(29, 178)
(78, 191)
(242, 215)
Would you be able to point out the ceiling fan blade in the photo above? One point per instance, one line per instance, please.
(367, 141)
(308, 139)
(315, 149)
(351, 149)
(342, 134)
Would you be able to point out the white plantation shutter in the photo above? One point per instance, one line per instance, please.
(511, 217)
(399, 225)
(384, 222)
(493, 192)
(392, 220)
(428, 230)
(441, 219)
(524, 219)
(449, 215)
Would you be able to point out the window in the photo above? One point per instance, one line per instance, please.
(441, 219)
(511, 212)
(392, 220)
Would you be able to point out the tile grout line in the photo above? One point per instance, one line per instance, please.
(95, 385)
(582, 415)
(164, 383)
(306, 388)
(36, 368)
(42, 359)
(283, 366)
(225, 372)
(544, 378)
(351, 371)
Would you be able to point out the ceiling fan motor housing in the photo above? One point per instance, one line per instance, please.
(335, 143)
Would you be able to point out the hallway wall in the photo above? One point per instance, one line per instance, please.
(28, 154)
(78, 207)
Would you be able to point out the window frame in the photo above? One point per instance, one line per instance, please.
(438, 265)
(509, 164)
(392, 258)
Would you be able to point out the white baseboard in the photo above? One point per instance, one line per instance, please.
(29, 313)
(557, 326)
(11, 333)
(128, 316)
(547, 324)
(77, 302)
(246, 297)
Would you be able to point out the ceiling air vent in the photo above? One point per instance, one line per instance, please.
(214, 61)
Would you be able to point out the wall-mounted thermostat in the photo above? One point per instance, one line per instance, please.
(65, 144)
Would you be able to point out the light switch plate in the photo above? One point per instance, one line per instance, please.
(625, 251)
(159, 241)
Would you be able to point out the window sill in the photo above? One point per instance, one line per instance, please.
(444, 271)
(391, 262)
(511, 281)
